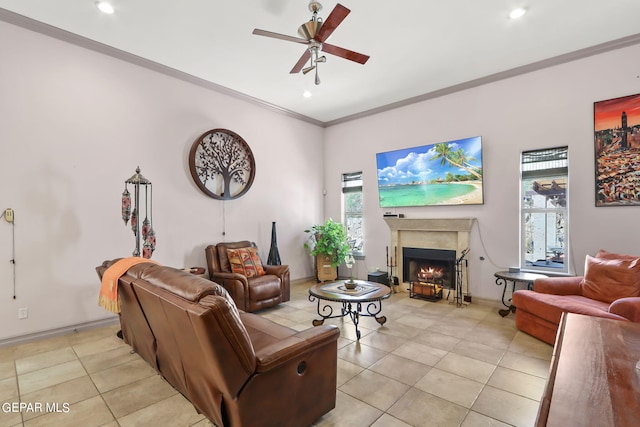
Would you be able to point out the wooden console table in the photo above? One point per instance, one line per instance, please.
(593, 380)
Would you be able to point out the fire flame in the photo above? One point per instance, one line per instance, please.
(430, 272)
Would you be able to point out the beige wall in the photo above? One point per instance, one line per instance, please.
(74, 124)
(547, 108)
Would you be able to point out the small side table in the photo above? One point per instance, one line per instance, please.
(504, 277)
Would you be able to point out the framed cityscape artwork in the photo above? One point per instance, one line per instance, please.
(617, 151)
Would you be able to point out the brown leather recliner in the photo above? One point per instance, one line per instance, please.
(249, 293)
(237, 368)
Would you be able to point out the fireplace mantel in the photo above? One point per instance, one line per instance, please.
(430, 224)
(429, 233)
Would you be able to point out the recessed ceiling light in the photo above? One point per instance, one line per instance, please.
(517, 13)
(105, 7)
(306, 94)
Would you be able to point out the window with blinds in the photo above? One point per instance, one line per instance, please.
(352, 209)
(543, 210)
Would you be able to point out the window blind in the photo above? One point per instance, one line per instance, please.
(351, 182)
(546, 162)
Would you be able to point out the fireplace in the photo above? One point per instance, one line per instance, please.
(428, 271)
(429, 265)
(447, 236)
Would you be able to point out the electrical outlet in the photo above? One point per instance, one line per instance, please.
(23, 313)
(8, 214)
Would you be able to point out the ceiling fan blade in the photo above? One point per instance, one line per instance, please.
(279, 36)
(303, 60)
(344, 53)
(334, 19)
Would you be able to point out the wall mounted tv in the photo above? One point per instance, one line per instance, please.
(446, 173)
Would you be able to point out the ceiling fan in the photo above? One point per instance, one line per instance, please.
(315, 33)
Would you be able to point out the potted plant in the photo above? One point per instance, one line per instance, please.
(328, 243)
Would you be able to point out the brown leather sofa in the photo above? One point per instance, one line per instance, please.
(249, 293)
(236, 368)
(610, 288)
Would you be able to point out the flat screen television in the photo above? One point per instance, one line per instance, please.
(446, 173)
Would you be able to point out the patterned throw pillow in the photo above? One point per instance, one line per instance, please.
(245, 261)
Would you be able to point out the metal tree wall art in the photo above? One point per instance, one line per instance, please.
(144, 235)
(222, 164)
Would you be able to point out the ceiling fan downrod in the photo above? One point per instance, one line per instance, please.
(310, 29)
(314, 7)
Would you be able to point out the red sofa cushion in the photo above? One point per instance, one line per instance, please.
(607, 280)
(611, 255)
(550, 307)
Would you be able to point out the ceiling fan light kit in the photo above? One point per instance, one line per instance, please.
(314, 34)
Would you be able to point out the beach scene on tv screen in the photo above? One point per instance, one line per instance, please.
(446, 173)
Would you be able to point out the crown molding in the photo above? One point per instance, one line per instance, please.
(84, 42)
(66, 36)
(513, 72)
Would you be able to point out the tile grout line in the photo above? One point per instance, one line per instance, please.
(94, 384)
(15, 369)
(525, 348)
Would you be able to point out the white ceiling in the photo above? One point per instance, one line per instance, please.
(418, 48)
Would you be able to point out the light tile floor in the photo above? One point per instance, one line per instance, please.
(431, 364)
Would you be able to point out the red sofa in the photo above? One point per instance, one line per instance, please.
(610, 288)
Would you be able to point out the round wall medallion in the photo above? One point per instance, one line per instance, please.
(222, 164)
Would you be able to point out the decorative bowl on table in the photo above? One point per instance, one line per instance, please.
(350, 284)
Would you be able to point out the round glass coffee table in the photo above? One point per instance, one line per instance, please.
(364, 300)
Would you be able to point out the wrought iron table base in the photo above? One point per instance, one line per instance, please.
(505, 311)
(510, 307)
(373, 308)
(503, 278)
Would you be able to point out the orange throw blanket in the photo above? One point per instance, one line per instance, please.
(109, 299)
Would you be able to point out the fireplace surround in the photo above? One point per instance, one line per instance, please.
(420, 264)
(450, 234)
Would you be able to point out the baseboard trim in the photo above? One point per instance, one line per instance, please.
(488, 302)
(51, 333)
(302, 280)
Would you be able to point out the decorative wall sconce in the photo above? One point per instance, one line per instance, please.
(145, 236)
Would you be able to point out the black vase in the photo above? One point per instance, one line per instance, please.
(274, 255)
